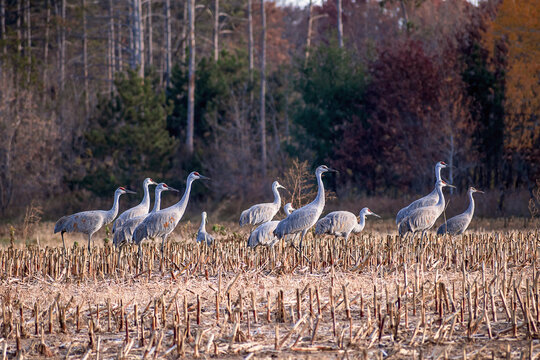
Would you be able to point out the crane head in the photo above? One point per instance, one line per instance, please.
(473, 190)
(165, 187)
(123, 190)
(195, 175)
(443, 183)
(323, 168)
(442, 164)
(277, 185)
(204, 217)
(149, 181)
(367, 211)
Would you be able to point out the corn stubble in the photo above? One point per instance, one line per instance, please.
(475, 296)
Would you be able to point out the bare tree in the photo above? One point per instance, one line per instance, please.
(46, 42)
(85, 60)
(62, 57)
(184, 29)
(150, 34)
(309, 30)
(28, 40)
(112, 47)
(191, 74)
(167, 41)
(250, 39)
(216, 30)
(3, 23)
(340, 23)
(263, 90)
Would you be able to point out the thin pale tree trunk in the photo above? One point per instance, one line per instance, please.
(19, 25)
(140, 39)
(250, 39)
(184, 30)
(63, 45)
(263, 90)
(85, 60)
(216, 30)
(46, 43)
(3, 23)
(309, 31)
(150, 35)
(340, 23)
(112, 48)
(28, 41)
(191, 82)
(167, 41)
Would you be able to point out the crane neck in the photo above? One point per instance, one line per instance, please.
(146, 198)
(470, 209)
(277, 197)
(157, 200)
(182, 204)
(320, 192)
(361, 223)
(111, 214)
(203, 224)
(438, 173)
(441, 203)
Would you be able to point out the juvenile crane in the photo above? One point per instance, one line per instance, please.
(459, 223)
(342, 223)
(202, 235)
(139, 210)
(428, 200)
(423, 219)
(261, 213)
(161, 223)
(301, 220)
(264, 233)
(124, 233)
(89, 222)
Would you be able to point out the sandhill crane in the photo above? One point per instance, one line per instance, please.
(459, 223)
(261, 213)
(202, 235)
(428, 200)
(264, 233)
(89, 222)
(301, 220)
(342, 223)
(423, 219)
(124, 233)
(161, 223)
(139, 210)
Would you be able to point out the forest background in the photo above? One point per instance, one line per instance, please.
(95, 94)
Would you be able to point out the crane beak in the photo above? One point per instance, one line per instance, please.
(332, 170)
(479, 191)
(172, 189)
(281, 186)
(372, 213)
(452, 186)
(129, 191)
(202, 177)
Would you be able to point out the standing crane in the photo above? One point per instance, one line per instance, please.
(264, 233)
(124, 233)
(423, 219)
(261, 213)
(459, 223)
(202, 235)
(428, 200)
(342, 223)
(139, 210)
(301, 220)
(161, 223)
(89, 222)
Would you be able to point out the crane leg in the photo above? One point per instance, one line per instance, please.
(63, 242)
(89, 243)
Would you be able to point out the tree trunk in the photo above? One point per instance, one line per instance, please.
(19, 24)
(28, 41)
(340, 23)
(63, 45)
(404, 11)
(150, 35)
(112, 47)
(216, 30)
(46, 43)
(167, 41)
(3, 23)
(263, 90)
(184, 30)
(309, 31)
(140, 39)
(85, 60)
(250, 40)
(191, 82)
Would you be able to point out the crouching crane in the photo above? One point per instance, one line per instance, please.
(264, 234)
(89, 222)
(202, 235)
(342, 223)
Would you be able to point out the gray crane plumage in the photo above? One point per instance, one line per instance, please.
(139, 210)
(261, 213)
(264, 233)
(124, 233)
(423, 219)
(459, 223)
(89, 222)
(428, 200)
(202, 235)
(301, 220)
(161, 223)
(342, 223)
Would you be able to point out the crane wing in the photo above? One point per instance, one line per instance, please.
(258, 214)
(297, 221)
